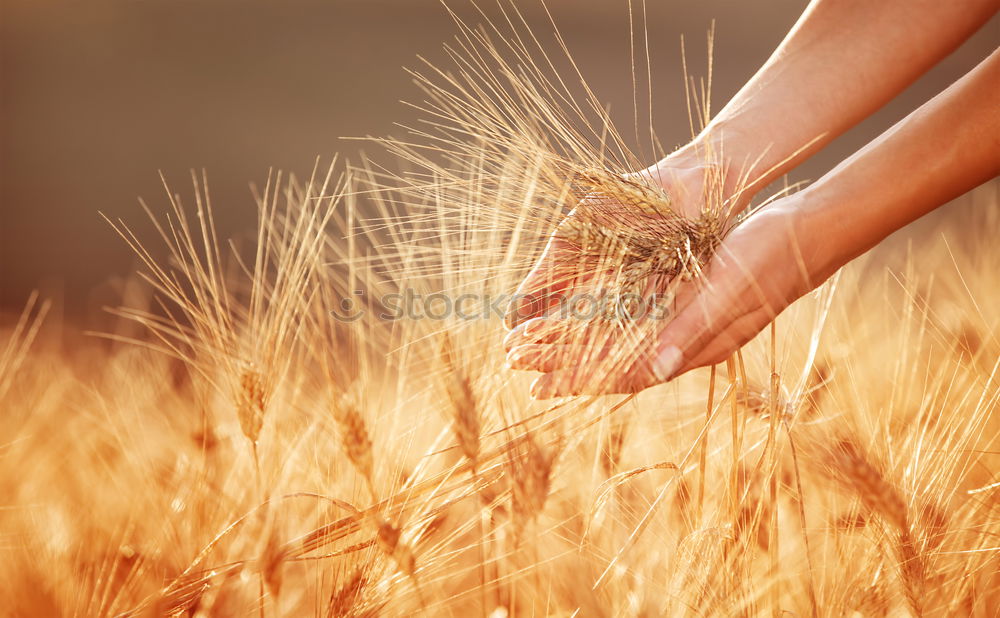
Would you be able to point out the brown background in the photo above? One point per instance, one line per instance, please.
(98, 95)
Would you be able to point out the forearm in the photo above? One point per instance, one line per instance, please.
(946, 147)
(841, 61)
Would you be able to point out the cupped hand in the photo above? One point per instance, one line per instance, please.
(766, 263)
(560, 273)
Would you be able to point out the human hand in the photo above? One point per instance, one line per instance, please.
(562, 271)
(759, 269)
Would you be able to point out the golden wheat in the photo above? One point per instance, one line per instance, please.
(268, 457)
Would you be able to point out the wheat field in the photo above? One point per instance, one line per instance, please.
(256, 436)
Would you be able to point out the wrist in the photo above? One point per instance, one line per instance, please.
(753, 157)
(705, 159)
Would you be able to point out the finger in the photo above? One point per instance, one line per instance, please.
(694, 327)
(583, 380)
(613, 370)
(565, 331)
(540, 357)
(607, 359)
(541, 287)
(626, 363)
(592, 354)
(536, 330)
(516, 336)
(534, 297)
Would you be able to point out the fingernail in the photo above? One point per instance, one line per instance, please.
(667, 362)
(510, 315)
(512, 336)
(512, 357)
(540, 389)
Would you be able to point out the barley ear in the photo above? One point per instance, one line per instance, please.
(463, 408)
(251, 402)
(354, 437)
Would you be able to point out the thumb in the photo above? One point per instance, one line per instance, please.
(690, 331)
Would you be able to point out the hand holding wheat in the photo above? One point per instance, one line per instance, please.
(786, 249)
(742, 291)
(580, 255)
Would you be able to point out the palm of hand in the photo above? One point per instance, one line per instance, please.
(750, 280)
(618, 242)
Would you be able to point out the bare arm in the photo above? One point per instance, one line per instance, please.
(943, 149)
(948, 146)
(841, 61)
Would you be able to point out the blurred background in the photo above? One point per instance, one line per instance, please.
(98, 96)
